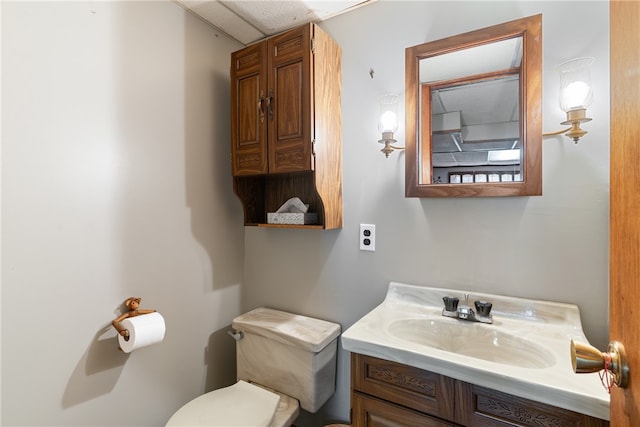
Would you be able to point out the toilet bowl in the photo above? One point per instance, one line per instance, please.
(241, 404)
(284, 362)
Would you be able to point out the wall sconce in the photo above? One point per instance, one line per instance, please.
(575, 95)
(388, 123)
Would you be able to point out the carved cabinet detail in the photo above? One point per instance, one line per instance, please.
(385, 393)
(286, 125)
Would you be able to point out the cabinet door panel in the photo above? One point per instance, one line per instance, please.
(248, 114)
(288, 100)
(248, 117)
(371, 412)
(290, 126)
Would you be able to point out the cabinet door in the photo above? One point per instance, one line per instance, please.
(290, 101)
(371, 412)
(249, 115)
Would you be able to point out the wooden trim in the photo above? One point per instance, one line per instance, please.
(327, 89)
(475, 79)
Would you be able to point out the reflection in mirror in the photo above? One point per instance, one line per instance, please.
(475, 113)
(474, 132)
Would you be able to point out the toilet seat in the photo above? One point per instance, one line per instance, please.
(241, 404)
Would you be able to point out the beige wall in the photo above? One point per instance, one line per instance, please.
(553, 247)
(116, 182)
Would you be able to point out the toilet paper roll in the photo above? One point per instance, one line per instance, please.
(144, 330)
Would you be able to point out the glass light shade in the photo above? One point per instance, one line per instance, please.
(575, 84)
(388, 119)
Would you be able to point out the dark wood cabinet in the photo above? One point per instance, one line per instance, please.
(286, 125)
(385, 393)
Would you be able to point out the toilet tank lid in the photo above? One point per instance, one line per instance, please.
(296, 330)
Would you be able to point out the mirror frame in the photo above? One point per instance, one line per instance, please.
(530, 29)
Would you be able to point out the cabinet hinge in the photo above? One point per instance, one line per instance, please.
(313, 148)
(313, 45)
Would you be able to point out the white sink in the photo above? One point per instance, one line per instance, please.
(524, 352)
(474, 340)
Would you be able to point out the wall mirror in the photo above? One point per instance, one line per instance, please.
(474, 113)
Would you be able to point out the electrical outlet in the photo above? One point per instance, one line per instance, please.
(367, 237)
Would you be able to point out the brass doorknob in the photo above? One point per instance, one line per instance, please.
(586, 359)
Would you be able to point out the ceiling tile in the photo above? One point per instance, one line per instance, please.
(225, 19)
(251, 20)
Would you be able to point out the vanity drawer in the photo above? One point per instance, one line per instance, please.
(480, 406)
(403, 385)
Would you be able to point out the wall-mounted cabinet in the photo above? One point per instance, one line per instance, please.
(286, 129)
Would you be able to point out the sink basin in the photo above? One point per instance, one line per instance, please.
(473, 340)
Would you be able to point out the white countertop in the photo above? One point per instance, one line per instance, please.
(548, 326)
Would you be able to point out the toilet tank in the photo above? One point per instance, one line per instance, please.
(292, 354)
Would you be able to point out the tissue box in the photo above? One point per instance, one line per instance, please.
(292, 218)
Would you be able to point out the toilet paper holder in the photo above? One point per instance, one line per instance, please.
(133, 304)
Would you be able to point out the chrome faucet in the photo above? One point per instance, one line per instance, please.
(465, 312)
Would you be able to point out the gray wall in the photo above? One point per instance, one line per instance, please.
(116, 182)
(553, 247)
(112, 187)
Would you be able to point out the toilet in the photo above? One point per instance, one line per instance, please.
(284, 362)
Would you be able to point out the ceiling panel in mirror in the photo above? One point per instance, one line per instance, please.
(473, 113)
(483, 59)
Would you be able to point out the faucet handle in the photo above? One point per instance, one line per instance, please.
(450, 303)
(483, 308)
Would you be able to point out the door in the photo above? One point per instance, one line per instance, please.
(249, 116)
(290, 101)
(625, 203)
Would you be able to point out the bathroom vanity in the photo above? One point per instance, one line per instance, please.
(385, 393)
(412, 366)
